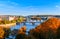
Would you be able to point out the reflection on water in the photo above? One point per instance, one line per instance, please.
(28, 26)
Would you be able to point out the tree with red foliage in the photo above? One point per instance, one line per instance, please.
(46, 30)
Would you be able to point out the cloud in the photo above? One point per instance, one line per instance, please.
(57, 6)
(12, 3)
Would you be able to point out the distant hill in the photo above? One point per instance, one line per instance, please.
(44, 15)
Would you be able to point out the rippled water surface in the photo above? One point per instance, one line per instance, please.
(28, 26)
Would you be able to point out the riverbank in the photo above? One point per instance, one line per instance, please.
(8, 25)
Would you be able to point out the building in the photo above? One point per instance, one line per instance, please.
(9, 18)
(0, 19)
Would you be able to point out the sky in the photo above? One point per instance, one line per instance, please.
(29, 7)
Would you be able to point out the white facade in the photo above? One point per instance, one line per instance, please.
(0, 19)
(11, 18)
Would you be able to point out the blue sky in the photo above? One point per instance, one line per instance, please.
(29, 7)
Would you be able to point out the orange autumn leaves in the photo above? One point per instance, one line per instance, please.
(47, 29)
(22, 30)
(2, 32)
(52, 23)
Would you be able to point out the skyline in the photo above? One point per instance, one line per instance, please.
(29, 7)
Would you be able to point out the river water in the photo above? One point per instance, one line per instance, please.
(28, 26)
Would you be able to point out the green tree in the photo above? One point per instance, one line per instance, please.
(1, 22)
(20, 19)
(13, 21)
(5, 21)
